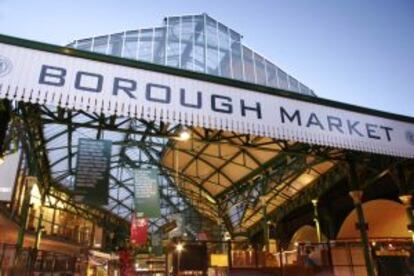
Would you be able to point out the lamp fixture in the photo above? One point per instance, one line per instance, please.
(184, 135)
(179, 247)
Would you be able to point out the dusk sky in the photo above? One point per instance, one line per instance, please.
(359, 52)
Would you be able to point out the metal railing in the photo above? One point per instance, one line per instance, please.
(76, 234)
(27, 261)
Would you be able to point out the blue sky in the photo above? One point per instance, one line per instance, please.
(359, 52)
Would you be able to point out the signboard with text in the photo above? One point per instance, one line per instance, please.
(147, 198)
(63, 77)
(92, 171)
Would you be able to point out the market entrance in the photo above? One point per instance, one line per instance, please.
(93, 162)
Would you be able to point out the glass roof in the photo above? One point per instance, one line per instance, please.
(197, 43)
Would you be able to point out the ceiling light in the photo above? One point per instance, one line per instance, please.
(179, 247)
(184, 135)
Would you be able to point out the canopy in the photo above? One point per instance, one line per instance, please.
(252, 149)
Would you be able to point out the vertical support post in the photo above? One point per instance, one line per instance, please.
(39, 228)
(53, 221)
(356, 196)
(265, 225)
(316, 220)
(178, 262)
(24, 214)
(229, 255)
(406, 200)
(281, 258)
(5, 116)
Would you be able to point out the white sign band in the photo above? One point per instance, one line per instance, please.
(43, 77)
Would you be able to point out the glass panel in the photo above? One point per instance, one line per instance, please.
(303, 89)
(71, 45)
(283, 81)
(293, 84)
(173, 47)
(145, 45)
(235, 213)
(271, 74)
(199, 23)
(187, 42)
(234, 36)
(199, 47)
(199, 52)
(248, 65)
(115, 45)
(159, 45)
(260, 69)
(236, 61)
(131, 45)
(224, 51)
(212, 47)
(100, 44)
(187, 25)
(84, 44)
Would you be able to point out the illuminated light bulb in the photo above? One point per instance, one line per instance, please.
(179, 247)
(184, 135)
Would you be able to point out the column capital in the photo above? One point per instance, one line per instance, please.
(356, 196)
(314, 202)
(406, 199)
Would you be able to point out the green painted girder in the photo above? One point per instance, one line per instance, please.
(69, 124)
(286, 182)
(31, 117)
(156, 162)
(314, 190)
(199, 152)
(242, 184)
(373, 166)
(283, 173)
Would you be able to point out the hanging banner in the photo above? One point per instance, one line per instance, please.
(147, 197)
(139, 231)
(92, 171)
(44, 74)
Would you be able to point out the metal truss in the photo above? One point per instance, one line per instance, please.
(138, 144)
(53, 135)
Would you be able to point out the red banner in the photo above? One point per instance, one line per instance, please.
(139, 231)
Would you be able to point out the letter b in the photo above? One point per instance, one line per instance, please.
(52, 75)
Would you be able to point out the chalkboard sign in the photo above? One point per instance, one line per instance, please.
(147, 198)
(92, 171)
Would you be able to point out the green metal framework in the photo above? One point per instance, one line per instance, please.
(221, 176)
